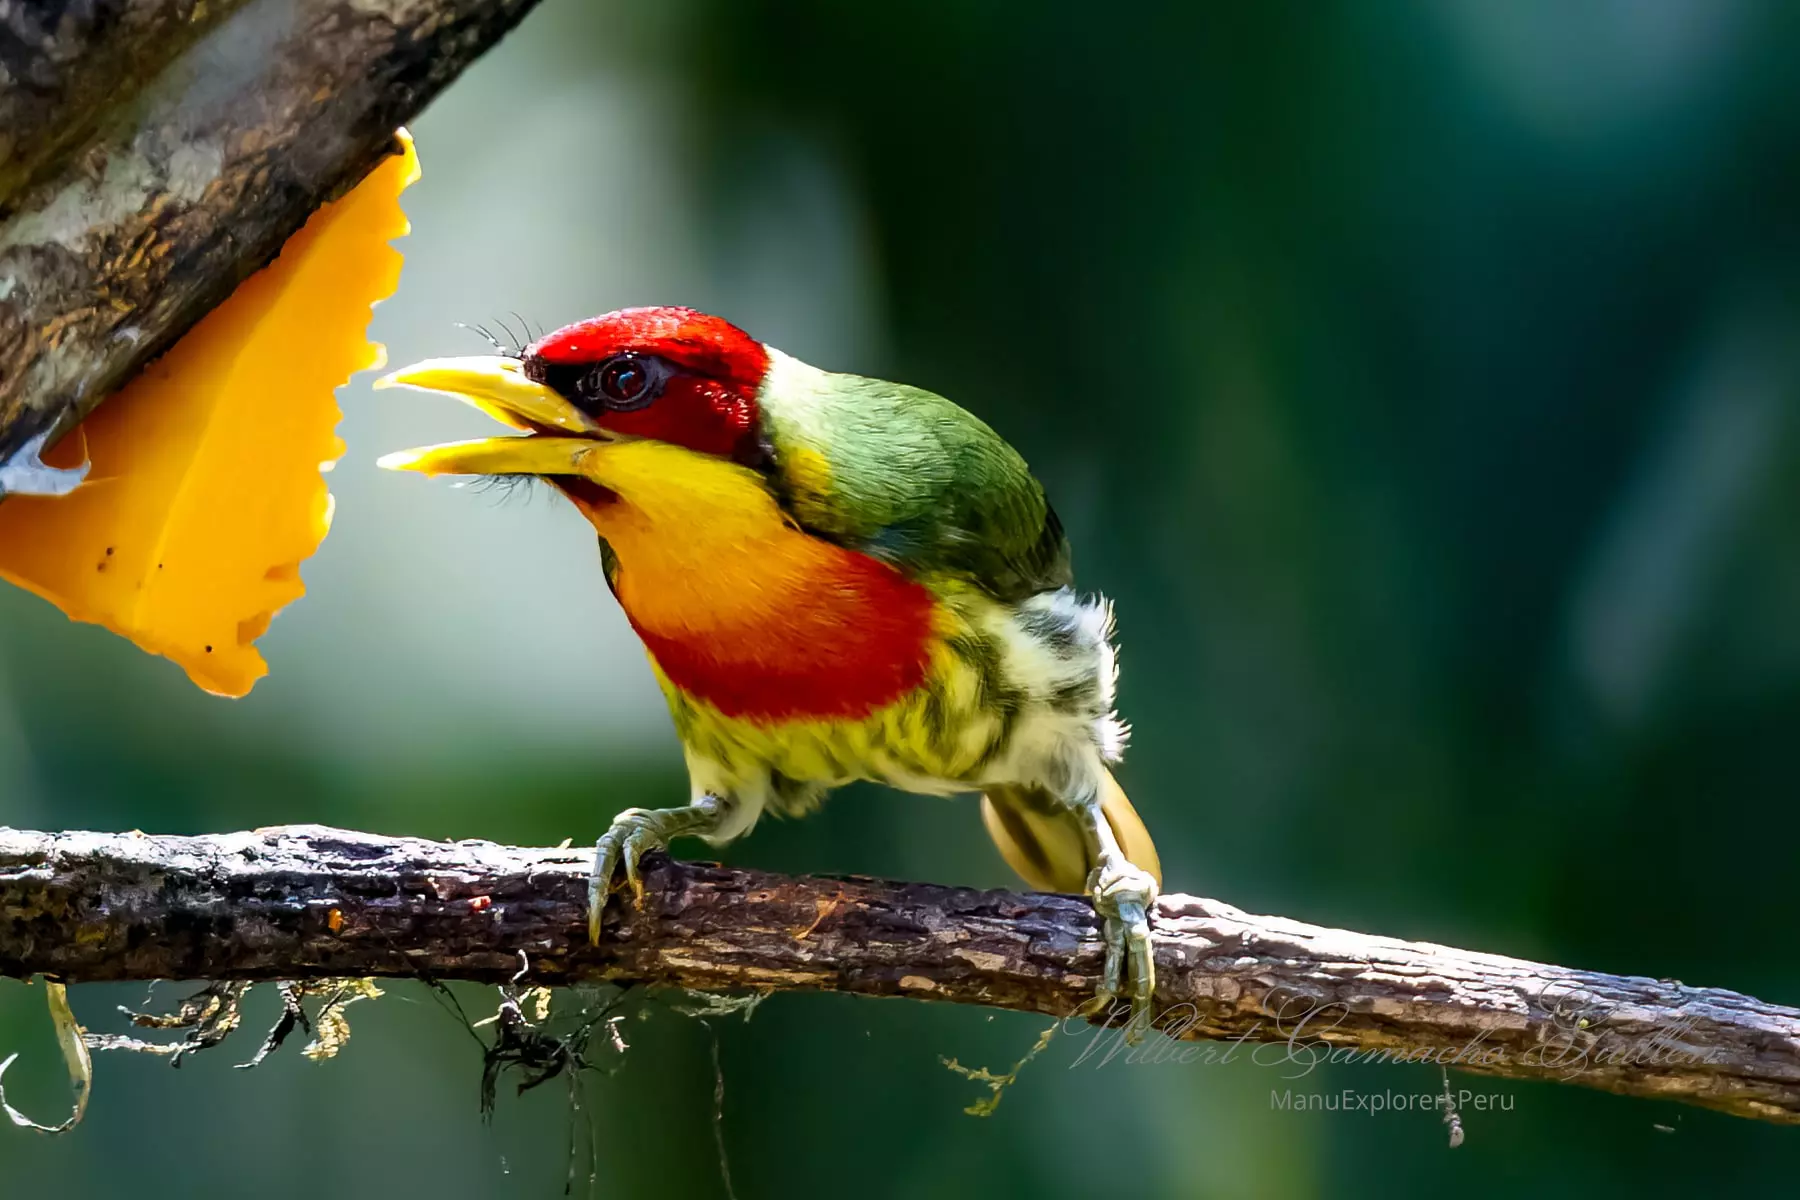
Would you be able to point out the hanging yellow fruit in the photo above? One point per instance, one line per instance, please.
(205, 491)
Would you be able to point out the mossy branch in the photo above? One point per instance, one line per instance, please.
(307, 903)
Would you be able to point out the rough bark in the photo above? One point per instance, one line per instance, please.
(305, 902)
(194, 181)
(65, 63)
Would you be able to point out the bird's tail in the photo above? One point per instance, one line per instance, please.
(1040, 838)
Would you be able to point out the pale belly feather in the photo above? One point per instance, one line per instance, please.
(1012, 695)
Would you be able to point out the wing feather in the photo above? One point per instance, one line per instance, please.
(908, 477)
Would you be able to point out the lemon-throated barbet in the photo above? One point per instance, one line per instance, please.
(836, 578)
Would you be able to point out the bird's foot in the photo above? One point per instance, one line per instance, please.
(635, 832)
(1123, 896)
(26, 474)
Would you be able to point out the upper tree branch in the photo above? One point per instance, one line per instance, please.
(308, 902)
(65, 63)
(150, 200)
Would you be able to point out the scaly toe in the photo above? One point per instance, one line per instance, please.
(606, 861)
(613, 847)
(1112, 982)
(633, 834)
(636, 843)
(1139, 951)
(1122, 896)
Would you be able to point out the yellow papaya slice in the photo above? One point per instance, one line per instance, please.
(205, 492)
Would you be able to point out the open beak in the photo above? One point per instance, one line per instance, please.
(498, 387)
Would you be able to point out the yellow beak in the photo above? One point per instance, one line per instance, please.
(498, 387)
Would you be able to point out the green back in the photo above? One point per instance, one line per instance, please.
(907, 477)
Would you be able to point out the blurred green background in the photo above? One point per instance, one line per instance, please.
(1422, 382)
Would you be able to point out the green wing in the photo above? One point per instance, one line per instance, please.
(907, 477)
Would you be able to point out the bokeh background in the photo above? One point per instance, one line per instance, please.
(1421, 380)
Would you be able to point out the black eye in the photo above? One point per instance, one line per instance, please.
(623, 382)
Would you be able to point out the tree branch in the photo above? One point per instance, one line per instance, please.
(203, 159)
(65, 63)
(306, 902)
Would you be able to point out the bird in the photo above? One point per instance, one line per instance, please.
(836, 578)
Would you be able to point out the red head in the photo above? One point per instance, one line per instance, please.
(671, 374)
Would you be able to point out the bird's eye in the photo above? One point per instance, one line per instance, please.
(623, 382)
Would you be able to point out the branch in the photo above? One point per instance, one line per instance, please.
(209, 157)
(306, 903)
(62, 66)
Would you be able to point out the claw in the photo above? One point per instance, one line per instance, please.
(623, 843)
(599, 883)
(634, 833)
(1114, 932)
(1122, 896)
(636, 843)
